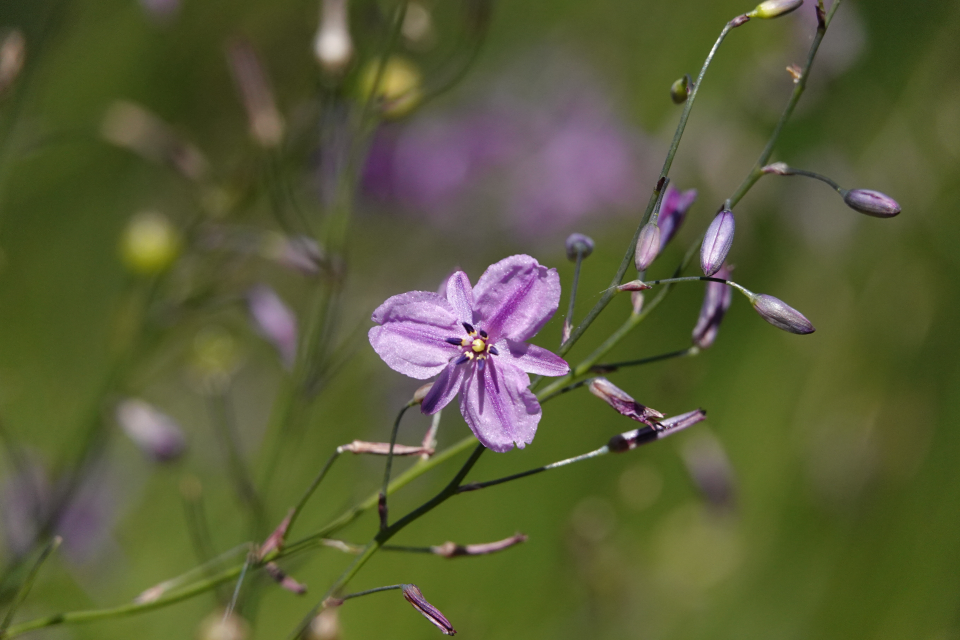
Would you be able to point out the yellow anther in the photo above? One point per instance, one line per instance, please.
(479, 345)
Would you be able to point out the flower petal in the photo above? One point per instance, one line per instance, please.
(443, 390)
(532, 359)
(498, 407)
(413, 332)
(460, 296)
(515, 297)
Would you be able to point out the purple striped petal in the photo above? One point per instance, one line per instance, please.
(460, 296)
(443, 390)
(499, 408)
(532, 359)
(515, 297)
(412, 334)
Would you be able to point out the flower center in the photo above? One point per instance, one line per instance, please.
(475, 347)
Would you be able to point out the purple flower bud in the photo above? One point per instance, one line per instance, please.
(716, 301)
(430, 612)
(154, 433)
(872, 203)
(634, 285)
(280, 577)
(623, 403)
(648, 246)
(673, 211)
(643, 435)
(778, 168)
(716, 242)
(274, 321)
(780, 314)
(577, 242)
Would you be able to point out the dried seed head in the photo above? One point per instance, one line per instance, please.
(623, 402)
(716, 242)
(155, 433)
(149, 244)
(775, 8)
(578, 243)
(872, 203)
(680, 89)
(430, 612)
(780, 314)
(648, 246)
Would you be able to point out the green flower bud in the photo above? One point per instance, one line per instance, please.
(775, 8)
(399, 89)
(680, 90)
(150, 243)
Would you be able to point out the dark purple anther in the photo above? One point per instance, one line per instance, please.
(872, 203)
(716, 242)
(468, 327)
(455, 341)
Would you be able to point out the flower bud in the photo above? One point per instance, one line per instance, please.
(332, 45)
(716, 242)
(648, 246)
(413, 595)
(778, 168)
(668, 426)
(399, 89)
(780, 314)
(149, 244)
(680, 89)
(775, 8)
(634, 285)
(622, 402)
(872, 203)
(274, 321)
(156, 434)
(673, 211)
(716, 301)
(454, 550)
(421, 393)
(578, 243)
(280, 577)
(12, 54)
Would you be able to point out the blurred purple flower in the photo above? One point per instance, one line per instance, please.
(274, 321)
(155, 433)
(160, 10)
(542, 133)
(475, 338)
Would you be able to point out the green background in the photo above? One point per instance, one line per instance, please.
(843, 444)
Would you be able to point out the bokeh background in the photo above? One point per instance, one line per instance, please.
(829, 461)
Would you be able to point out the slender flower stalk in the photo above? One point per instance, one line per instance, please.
(28, 583)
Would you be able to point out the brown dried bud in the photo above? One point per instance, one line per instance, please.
(634, 285)
(285, 581)
(453, 550)
(622, 402)
(382, 448)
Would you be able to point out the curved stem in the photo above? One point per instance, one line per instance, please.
(655, 196)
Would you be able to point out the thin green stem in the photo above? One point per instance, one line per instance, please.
(313, 487)
(756, 172)
(367, 592)
(382, 501)
(28, 582)
(655, 196)
(523, 474)
(573, 288)
(793, 171)
(224, 424)
(613, 366)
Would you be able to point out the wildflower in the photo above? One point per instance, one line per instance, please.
(475, 338)
(622, 402)
(430, 612)
(716, 301)
(716, 242)
(673, 211)
(155, 433)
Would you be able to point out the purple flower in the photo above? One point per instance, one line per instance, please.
(475, 338)
(673, 211)
(274, 321)
(155, 433)
(716, 301)
(716, 242)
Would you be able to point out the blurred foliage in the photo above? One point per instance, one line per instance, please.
(843, 443)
